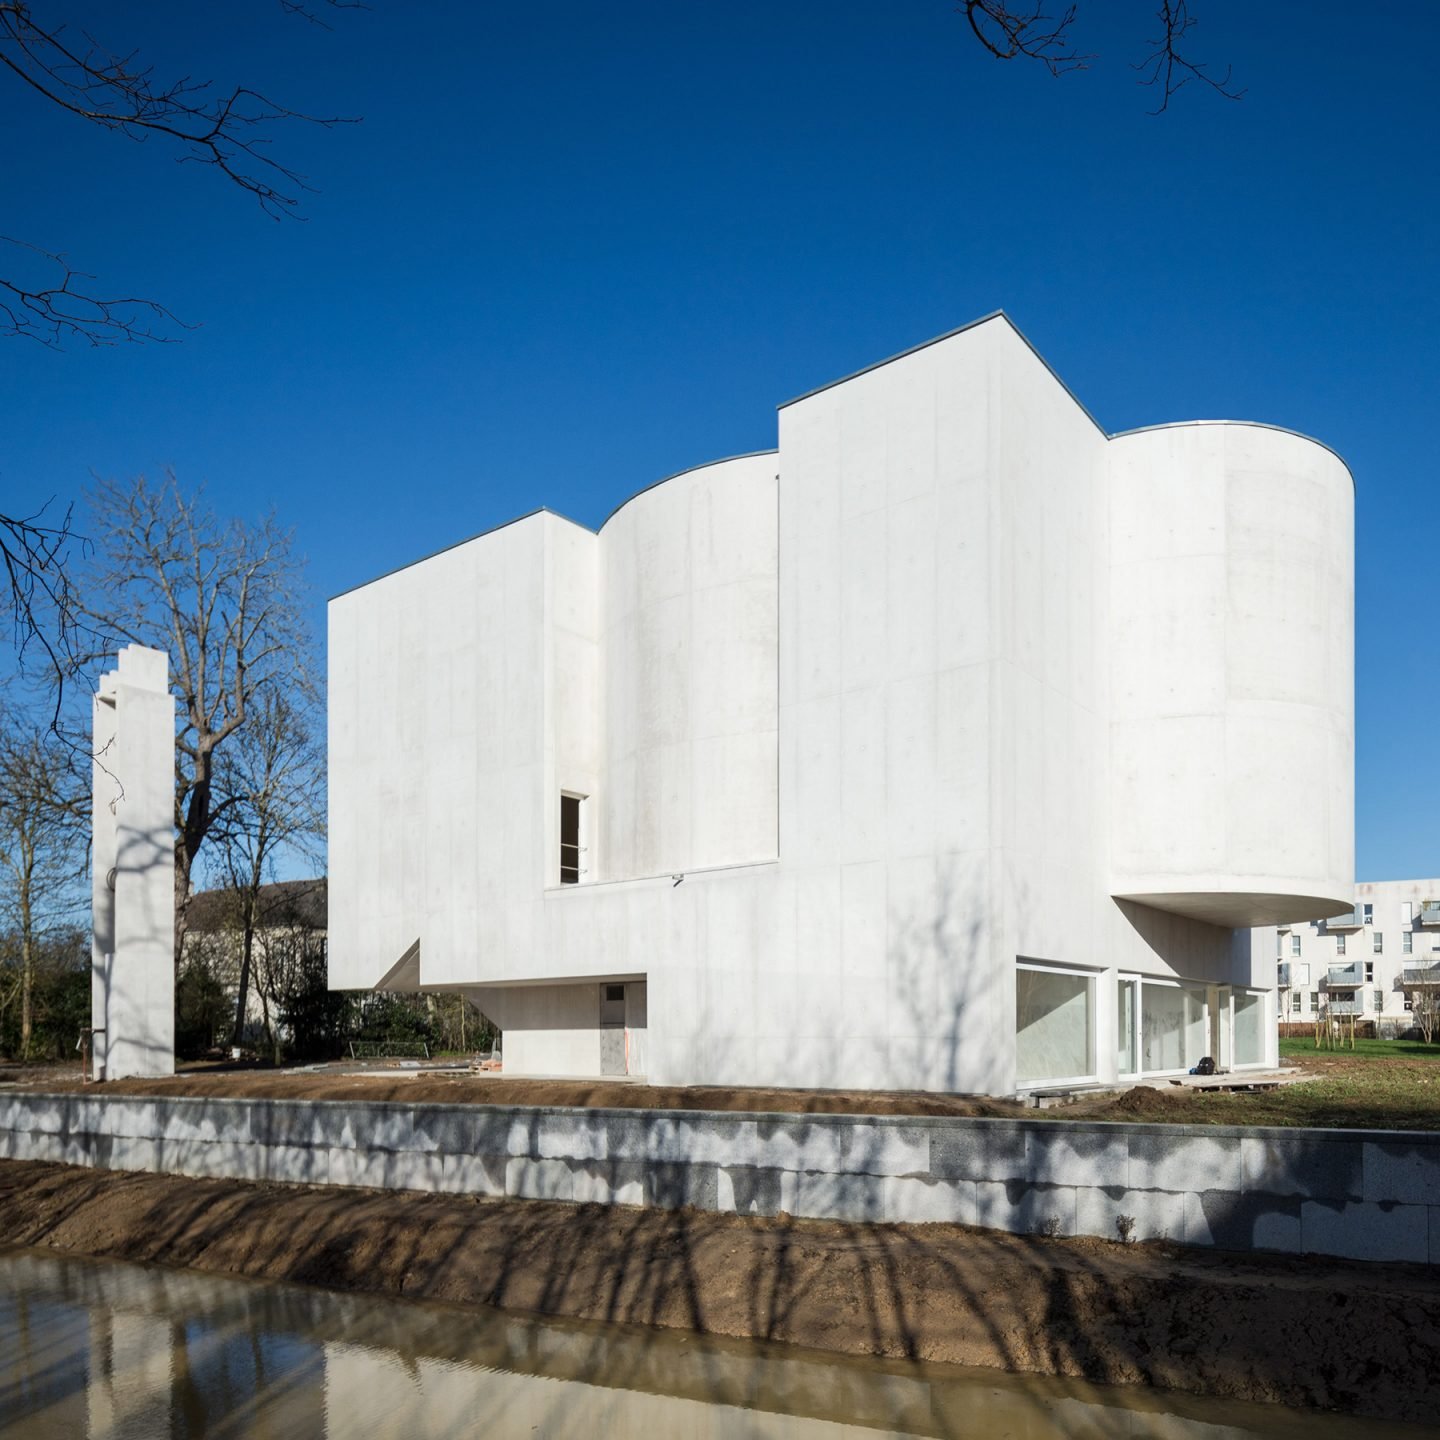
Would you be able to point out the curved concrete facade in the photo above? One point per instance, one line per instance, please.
(945, 747)
(1232, 650)
(689, 595)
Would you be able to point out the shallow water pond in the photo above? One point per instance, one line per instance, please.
(98, 1350)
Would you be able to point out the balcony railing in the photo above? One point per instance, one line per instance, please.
(1344, 1007)
(1429, 914)
(1345, 977)
(1420, 975)
(1350, 920)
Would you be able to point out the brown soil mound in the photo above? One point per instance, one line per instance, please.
(1302, 1332)
(426, 1086)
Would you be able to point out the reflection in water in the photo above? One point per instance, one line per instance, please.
(107, 1351)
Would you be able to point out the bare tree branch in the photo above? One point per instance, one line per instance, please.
(1009, 31)
(37, 593)
(227, 130)
(1166, 67)
(49, 305)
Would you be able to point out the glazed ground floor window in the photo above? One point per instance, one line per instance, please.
(1054, 1024)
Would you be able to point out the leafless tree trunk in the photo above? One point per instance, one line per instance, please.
(224, 600)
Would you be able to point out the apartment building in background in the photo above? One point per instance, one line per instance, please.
(955, 744)
(1367, 963)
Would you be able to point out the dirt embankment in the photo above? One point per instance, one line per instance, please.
(428, 1087)
(1359, 1338)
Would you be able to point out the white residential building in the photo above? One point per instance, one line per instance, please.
(955, 744)
(1366, 963)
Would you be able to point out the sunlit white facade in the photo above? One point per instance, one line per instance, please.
(954, 744)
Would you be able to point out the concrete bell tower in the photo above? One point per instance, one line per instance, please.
(132, 988)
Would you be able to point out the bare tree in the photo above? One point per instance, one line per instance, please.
(1425, 1009)
(271, 783)
(42, 844)
(1025, 29)
(37, 594)
(42, 296)
(224, 599)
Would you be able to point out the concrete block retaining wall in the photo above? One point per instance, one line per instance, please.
(1368, 1195)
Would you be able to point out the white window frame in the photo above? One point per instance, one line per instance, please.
(1378, 945)
(1294, 945)
(1267, 1025)
(1407, 943)
(1093, 976)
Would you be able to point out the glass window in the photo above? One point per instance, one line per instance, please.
(1294, 944)
(1126, 1058)
(1339, 944)
(1369, 914)
(1249, 1027)
(1369, 972)
(1379, 943)
(1175, 1026)
(1297, 1003)
(1407, 943)
(572, 839)
(1053, 1026)
(1315, 1001)
(1379, 997)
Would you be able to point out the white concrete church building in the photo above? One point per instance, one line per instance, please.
(955, 745)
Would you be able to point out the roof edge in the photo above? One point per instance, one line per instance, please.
(554, 514)
(1253, 424)
(688, 470)
(950, 335)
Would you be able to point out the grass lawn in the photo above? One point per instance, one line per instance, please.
(1364, 1049)
(1380, 1085)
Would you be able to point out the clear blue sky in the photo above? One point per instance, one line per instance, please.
(573, 248)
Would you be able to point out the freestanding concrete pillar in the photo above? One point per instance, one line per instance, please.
(132, 992)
